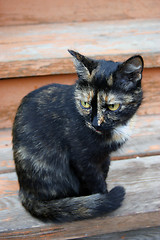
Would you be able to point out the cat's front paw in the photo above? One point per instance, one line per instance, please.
(116, 196)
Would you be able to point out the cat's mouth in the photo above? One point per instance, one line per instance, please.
(98, 130)
(107, 131)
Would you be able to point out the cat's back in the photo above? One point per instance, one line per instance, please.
(50, 93)
(48, 97)
(43, 110)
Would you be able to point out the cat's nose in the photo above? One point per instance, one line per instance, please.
(95, 122)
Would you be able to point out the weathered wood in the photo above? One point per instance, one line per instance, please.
(143, 142)
(144, 139)
(151, 88)
(142, 234)
(6, 160)
(140, 177)
(35, 50)
(13, 90)
(6, 155)
(39, 11)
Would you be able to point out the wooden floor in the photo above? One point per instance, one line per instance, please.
(138, 170)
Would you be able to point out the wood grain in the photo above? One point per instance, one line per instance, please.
(144, 141)
(140, 177)
(39, 11)
(36, 50)
(13, 90)
(151, 88)
(142, 234)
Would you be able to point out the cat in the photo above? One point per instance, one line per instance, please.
(63, 137)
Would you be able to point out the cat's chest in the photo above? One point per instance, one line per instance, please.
(89, 146)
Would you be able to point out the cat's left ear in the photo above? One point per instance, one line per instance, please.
(134, 65)
(83, 64)
(131, 71)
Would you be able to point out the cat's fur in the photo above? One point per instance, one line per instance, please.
(62, 149)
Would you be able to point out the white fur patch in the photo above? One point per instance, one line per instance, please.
(123, 132)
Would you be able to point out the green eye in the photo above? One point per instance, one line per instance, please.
(113, 107)
(85, 105)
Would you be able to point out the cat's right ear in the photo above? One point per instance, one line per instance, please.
(130, 72)
(84, 65)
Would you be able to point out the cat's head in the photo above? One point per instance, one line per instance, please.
(107, 93)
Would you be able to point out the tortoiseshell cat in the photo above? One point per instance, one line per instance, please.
(63, 136)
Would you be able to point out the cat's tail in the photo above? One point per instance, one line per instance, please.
(76, 208)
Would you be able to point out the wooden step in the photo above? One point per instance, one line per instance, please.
(13, 90)
(48, 11)
(140, 234)
(140, 177)
(38, 50)
(143, 142)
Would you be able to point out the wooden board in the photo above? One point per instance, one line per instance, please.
(151, 88)
(13, 90)
(142, 234)
(140, 177)
(35, 50)
(143, 142)
(145, 139)
(39, 11)
(6, 156)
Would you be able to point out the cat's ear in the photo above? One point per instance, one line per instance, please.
(130, 71)
(134, 65)
(84, 65)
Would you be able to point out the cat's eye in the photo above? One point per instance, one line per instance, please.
(113, 107)
(85, 105)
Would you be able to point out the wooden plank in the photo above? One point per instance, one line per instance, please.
(140, 177)
(35, 50)
(6, 155)
(143, 142)
(17, 88)
(142, 234)
(39, 11)
(144, 139)
(151, 88)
